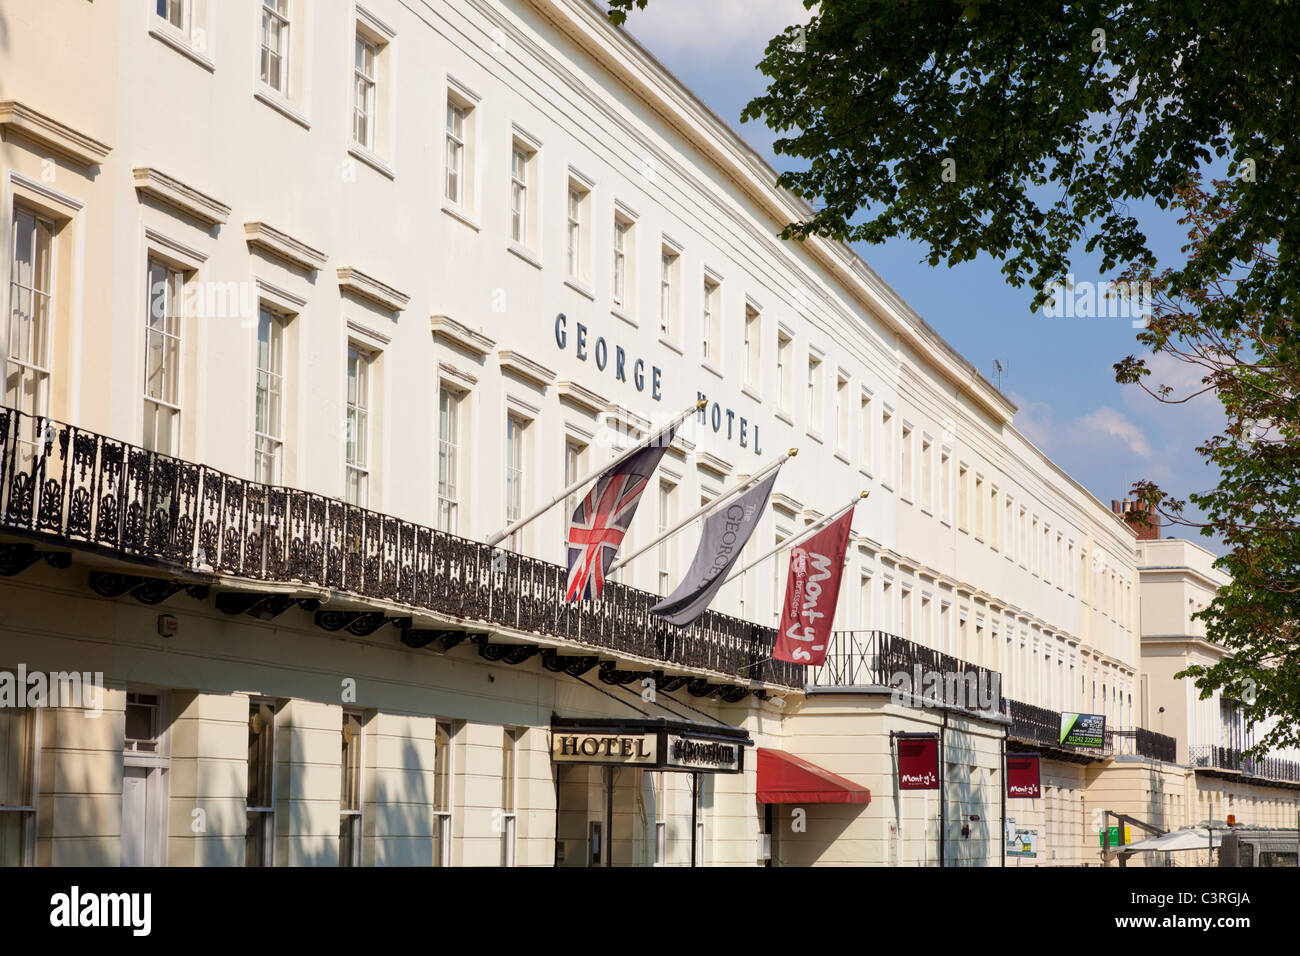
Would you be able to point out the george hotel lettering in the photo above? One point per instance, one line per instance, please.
(597, 350)
(683, 752)
(634, 370)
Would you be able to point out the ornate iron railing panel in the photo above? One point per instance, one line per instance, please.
(1229, 758)
(76, 487)
(866, 658)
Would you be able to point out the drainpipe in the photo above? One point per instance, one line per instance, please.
(943, 792)
(695, 805)
(1002, 780)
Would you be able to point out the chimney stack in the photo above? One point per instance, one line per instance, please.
(1147, 532)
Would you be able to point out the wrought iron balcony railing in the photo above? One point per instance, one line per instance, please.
(1228, 758)
(84, 490)
(863, 658)
(1041, 727)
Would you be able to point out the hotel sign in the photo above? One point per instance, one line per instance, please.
(605, 748)
(707, 755)
(650, 745)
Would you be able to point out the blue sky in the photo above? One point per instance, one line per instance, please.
(1058, 370)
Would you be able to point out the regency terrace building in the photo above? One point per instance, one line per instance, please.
(306, 300)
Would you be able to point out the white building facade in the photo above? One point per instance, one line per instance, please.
(436, 261)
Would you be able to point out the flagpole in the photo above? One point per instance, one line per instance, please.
(728, 494)
(511, 529)
(803, 536)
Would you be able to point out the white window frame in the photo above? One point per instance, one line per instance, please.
(842, 412)
(575, 460)
(710, 321)
(353, 819)
(511, 738)
(866, 431)
(926, 463)
(945, 485)
(268, 443)
(815, 393)
(448, 487)
(365, 90)
(669, 268)
(168, 335)
(358, 421)
(277, 14)
(457, 149)
(443, 813)
(516, 470)
(265, 812)
(576, 206)
(667, 514)
(623, 260)
(26, 810)
(752, 326)
(659, 789)
(785, 372)
(520, 160)
(155, 758)
(176, 9)
(906, 463)
(38, 322)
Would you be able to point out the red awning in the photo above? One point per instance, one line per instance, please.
(785, 778)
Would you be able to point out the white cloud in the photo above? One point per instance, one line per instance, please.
(1109, 423)
(718, 29)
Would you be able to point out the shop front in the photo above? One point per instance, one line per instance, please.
(639, 792)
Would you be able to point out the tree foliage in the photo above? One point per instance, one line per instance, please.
(1249, 363)
(1049, 119)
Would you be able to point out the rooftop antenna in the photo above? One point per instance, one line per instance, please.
(1000, 368)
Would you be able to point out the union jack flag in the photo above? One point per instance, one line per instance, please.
(602, 518)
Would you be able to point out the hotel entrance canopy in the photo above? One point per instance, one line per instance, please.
(785, 778)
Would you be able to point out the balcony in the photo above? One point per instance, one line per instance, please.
(1041, 727)
(1265, 769)
(69, 488)
(878, 658)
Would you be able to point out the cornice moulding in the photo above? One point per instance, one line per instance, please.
(525, 368)
(170, 191)
(283, 246)
(367, 287)
(582, 397)
(460, 335)
(713, 463)
(49, 132)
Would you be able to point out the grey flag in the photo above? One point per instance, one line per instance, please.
(725, 534)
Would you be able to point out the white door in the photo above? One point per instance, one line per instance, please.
(135, 815)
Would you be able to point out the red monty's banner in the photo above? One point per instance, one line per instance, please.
(1022, 776)
(811, 592)
(918, 763)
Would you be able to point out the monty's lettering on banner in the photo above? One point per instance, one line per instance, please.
(918, 762)
(811, 592)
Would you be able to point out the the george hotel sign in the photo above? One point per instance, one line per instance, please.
(683, 746)
(630, 369)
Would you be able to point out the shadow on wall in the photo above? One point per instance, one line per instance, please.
(407, 812)
(967, 798)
